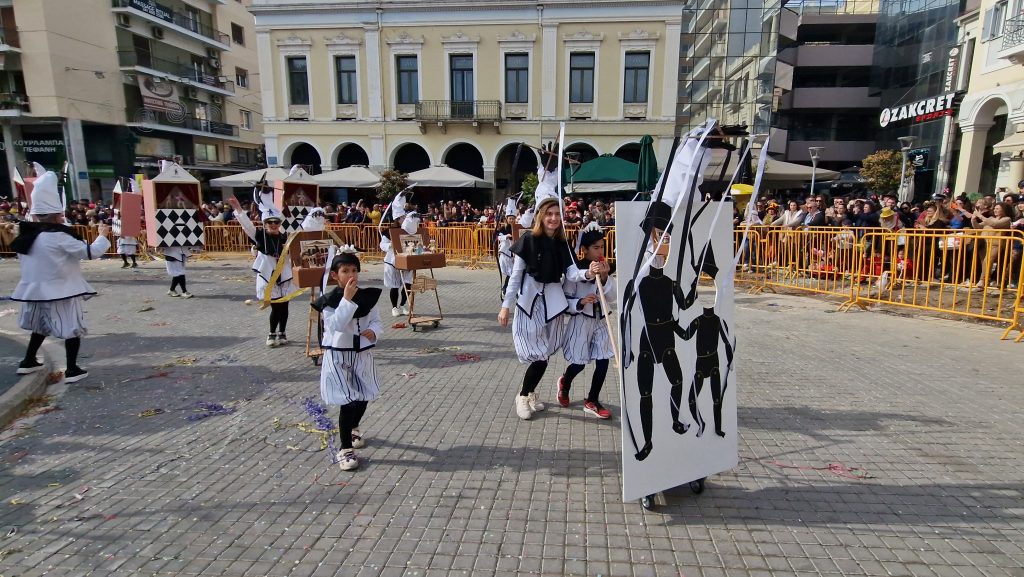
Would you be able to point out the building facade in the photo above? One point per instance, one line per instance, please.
(113, 86)
(412, 84)
(990, 140)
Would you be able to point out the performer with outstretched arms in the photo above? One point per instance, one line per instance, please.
(269, 244)
(52, 288)
(542, 260)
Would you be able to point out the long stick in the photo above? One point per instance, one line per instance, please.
(608, 320)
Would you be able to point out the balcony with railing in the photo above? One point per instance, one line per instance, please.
(9, 39)
(181, 22)
(145, 118)
(472, 112)
(1012, 47)
(13, 104)
(175, 70)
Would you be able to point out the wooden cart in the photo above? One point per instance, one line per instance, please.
(421, 283)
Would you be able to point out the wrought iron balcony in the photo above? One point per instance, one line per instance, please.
(152, 9)
(180, 122)
(14, 101)
(1013, 32)
(180, 69)
(470, 111)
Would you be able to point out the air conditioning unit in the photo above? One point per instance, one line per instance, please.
(158, 32)
(217, 99)
(214, 63)
(124, 20)
(212, 53)
(192, 93)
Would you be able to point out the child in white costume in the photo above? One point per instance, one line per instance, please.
(269, 243)
(52, 288)
(586, 335)
(127, 246)
(176, 257)
(394, 279)
(352, 326)
(542, 260)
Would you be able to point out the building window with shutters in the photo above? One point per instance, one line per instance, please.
(298, 87)
(345, 73)
(408, 79)
(636, 78)
(581, 77)
(517, 78)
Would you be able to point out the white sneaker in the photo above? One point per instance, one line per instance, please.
(523, 407)
(173, 294)
(281, 339)
(347, 460)
(535, 405)
(395, 312)
(272, 340)
(357, 439)
(405, 310)
(186, 295)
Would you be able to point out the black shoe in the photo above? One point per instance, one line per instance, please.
(644, 452)
(125, 265)
(29, 367)
(75, 374)
(135, 265)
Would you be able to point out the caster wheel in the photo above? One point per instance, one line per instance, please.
(316, 361)
(697, 486)
(647, 502)
(436, 323)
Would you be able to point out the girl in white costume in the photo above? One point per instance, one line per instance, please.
(176, 257)
(352, 326)
(542, 259)
(269, 243)
(127, 246)
(394, 279)
(586, 336)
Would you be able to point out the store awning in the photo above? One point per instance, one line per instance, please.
(1012, 144)
(349, 177)
(250, 178)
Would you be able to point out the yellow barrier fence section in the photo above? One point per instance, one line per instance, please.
(748, 256)
(973, 273)
(821, 260)
(1018, 306)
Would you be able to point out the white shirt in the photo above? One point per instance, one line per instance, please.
(51, 270)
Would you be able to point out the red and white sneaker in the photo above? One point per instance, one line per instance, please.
(597, 410)
(563, 395)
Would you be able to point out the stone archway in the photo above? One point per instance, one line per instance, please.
(410, 157)
(351, 155)
(586, 151)
(466, 158)
(503, 168)
(978, 164)
(304, 154)
(630, 152)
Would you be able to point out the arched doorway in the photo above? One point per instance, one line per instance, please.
(351, 155)
(503, 168)
(466, 158)
(630, 152)
(585, 151)
(410, 157)
(304, 154)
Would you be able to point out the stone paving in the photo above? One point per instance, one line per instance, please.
(454, 484)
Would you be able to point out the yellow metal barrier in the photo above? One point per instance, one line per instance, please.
(821, 260)
(748, 268)
(965, 273)
(1018, 305)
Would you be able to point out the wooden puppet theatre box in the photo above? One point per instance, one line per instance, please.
(172, 201)
(127, 207)
(412, 251)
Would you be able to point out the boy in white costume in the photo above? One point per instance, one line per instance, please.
(586, 335)
(52, 288)
(352, 326)
(176, 257)
(394, 279)
(269, 243)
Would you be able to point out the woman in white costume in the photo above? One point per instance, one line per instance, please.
(52, 288)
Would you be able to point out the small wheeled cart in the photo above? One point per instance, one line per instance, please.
(421, 284)
(696, 486)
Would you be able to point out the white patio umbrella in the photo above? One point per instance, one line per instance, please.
(443, 176)
(250, 178)
(778, 173)
(349, 177)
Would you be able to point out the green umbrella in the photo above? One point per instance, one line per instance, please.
(647, 173)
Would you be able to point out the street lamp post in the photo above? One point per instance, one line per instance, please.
(906, 142)
(815, 155)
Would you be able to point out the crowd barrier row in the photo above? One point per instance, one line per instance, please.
(968, 273)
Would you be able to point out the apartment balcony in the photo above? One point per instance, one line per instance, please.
(9, 41)
(172, 20)
(443, 112)
(146, 119)
(13, 104)
(1012, 47)
(174, 71)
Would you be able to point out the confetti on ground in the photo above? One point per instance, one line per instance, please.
(16, 501)
(466, 357)
(151, 412)
(145, 309)
(158, 375)
(180, 361)
(15, 456)
(55, 377)
(160, 324)
(398, 326)
(431, 350)
(210, 410)
(407, 375)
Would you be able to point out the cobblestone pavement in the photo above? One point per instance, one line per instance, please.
(455, 484)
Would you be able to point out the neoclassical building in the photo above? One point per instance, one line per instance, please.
(408, 84)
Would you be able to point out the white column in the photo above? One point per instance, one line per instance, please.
(670, 74)
(266, 77)
(549, 73)
(373, 74)
(378, 156)
(972, 157)
(273, 154)
(74, 146)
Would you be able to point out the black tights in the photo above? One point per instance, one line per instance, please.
(405, 295)
(179, 280)
(71, 347)
(124, 257)
(600, 372)
(534, 373)
(349, 419)
(278, 317)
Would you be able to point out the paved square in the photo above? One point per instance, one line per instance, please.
(120, 481)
